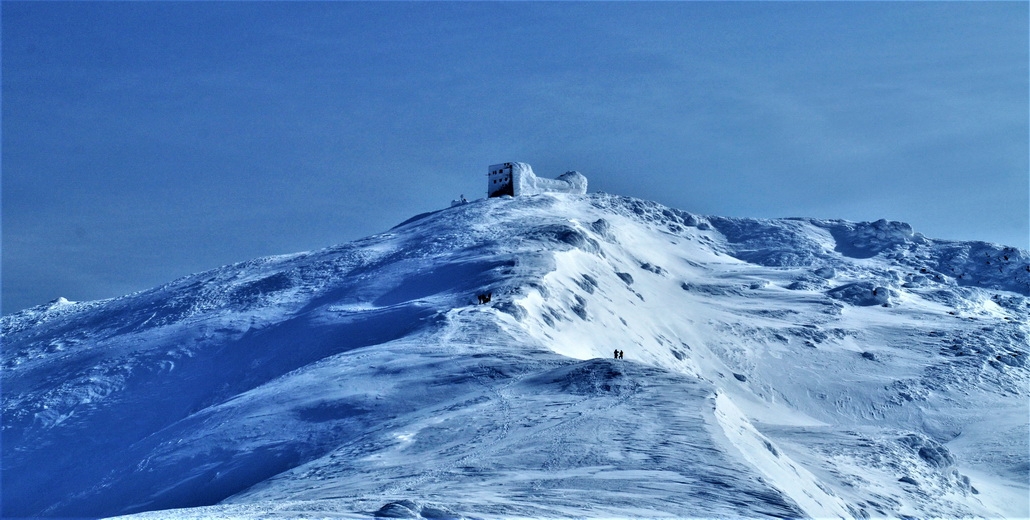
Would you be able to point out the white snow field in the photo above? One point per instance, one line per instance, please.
(773, 368)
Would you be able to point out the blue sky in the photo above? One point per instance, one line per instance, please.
(143, 141)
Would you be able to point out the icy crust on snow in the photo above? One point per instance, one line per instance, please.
(777, 368)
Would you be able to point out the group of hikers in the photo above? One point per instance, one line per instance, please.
(618, 354)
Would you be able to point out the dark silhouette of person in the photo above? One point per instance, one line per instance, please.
(620, 354)
(616, 353)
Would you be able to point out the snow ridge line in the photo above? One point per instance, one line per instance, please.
(784, 474)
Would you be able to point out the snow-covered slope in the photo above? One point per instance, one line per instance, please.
(772, 368)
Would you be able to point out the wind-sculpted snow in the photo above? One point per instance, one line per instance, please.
(913, 259)
(772, 368)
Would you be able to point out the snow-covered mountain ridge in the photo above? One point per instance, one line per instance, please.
(791, 367)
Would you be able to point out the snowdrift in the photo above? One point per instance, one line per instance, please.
(782, 368)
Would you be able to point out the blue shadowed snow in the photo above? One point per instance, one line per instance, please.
(776, 368)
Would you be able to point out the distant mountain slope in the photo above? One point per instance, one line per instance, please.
(792, 367)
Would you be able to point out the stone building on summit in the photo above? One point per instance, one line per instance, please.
(517, 179)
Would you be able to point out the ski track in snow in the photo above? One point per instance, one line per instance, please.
(773, 368)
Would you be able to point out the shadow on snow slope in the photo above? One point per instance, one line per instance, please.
(93, 447)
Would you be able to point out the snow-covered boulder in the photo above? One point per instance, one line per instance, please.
(862, 294)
